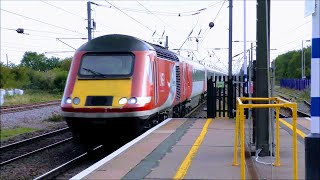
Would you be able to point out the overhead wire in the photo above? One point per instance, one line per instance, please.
(19, 44)
(62, 9)
(79, 16)
(30, 34)
(133, 18)
(303, 24)
(15, 50)
(218, 58)
(189, 33)
(149, 11)
(26, 48)
(205, 32)
(295, 40)
(220, 61)
(238, 64)
(288, 49)
(41, 21)
(162, 13)
(297, 27)
(197, 24)
(155, 15)
(8, 29)
(130, 16)
(49, 32)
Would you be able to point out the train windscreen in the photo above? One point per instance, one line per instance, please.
(106, 65)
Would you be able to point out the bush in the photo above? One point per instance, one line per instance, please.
(65, 64)
(6, 79)
(14, 77)
(60, 81)
(39, 81)
(36, 72)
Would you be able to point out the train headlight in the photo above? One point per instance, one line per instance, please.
(122, 101)
(132, 100)
(76, 100)
(68, 100)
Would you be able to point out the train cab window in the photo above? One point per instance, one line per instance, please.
(106, 65)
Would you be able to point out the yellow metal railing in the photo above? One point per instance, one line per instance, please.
(279, 103)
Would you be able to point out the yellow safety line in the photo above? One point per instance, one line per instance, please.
(290, 126)
(183, 169)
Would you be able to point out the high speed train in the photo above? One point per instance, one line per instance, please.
(119, 84)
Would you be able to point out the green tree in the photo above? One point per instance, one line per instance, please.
(65, 64)
(59, 81)
(39, 62)
(20, 76)
(6, 78)
(288, 65)
(34, 61)
(51, 63)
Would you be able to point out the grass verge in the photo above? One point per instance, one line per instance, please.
(55, 118)
(8, 133)
(305, 94)
(30, 96)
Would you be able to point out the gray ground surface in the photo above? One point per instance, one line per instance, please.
(35, 118)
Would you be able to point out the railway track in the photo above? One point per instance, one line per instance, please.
(295, 97)
(307, 103)
(67, 170)
(24, 107)
(299, 112)
(74, 162)
(285, 113)
(25, 148)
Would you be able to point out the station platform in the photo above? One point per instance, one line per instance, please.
(285, 170)
(195, 148)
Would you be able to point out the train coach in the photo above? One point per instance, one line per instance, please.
(119, 84)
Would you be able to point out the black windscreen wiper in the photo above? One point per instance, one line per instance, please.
(95, 72)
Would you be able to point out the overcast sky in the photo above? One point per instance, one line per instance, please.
(44, 21)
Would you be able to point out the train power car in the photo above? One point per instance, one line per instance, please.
(119, 84)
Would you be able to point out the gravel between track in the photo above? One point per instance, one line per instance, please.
(35, 118)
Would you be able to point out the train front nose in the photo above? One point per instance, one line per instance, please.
(102, 79)
(106, 93)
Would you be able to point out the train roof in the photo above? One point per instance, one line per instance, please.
(115, 43)
(124, 43)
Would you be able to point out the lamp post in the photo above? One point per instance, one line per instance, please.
(303, 73)
(303, 63)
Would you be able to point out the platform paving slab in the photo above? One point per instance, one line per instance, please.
(119, 166)
(213, 159)
(285, 171)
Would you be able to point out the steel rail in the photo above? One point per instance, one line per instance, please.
(68, 165)
(35, 151)
(10, 109)
(33, 139)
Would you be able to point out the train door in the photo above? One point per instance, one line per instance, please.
(184, 74)
(155, 80)
(188, 75)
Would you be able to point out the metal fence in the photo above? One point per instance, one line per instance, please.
(218, 95)
(297, 84)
